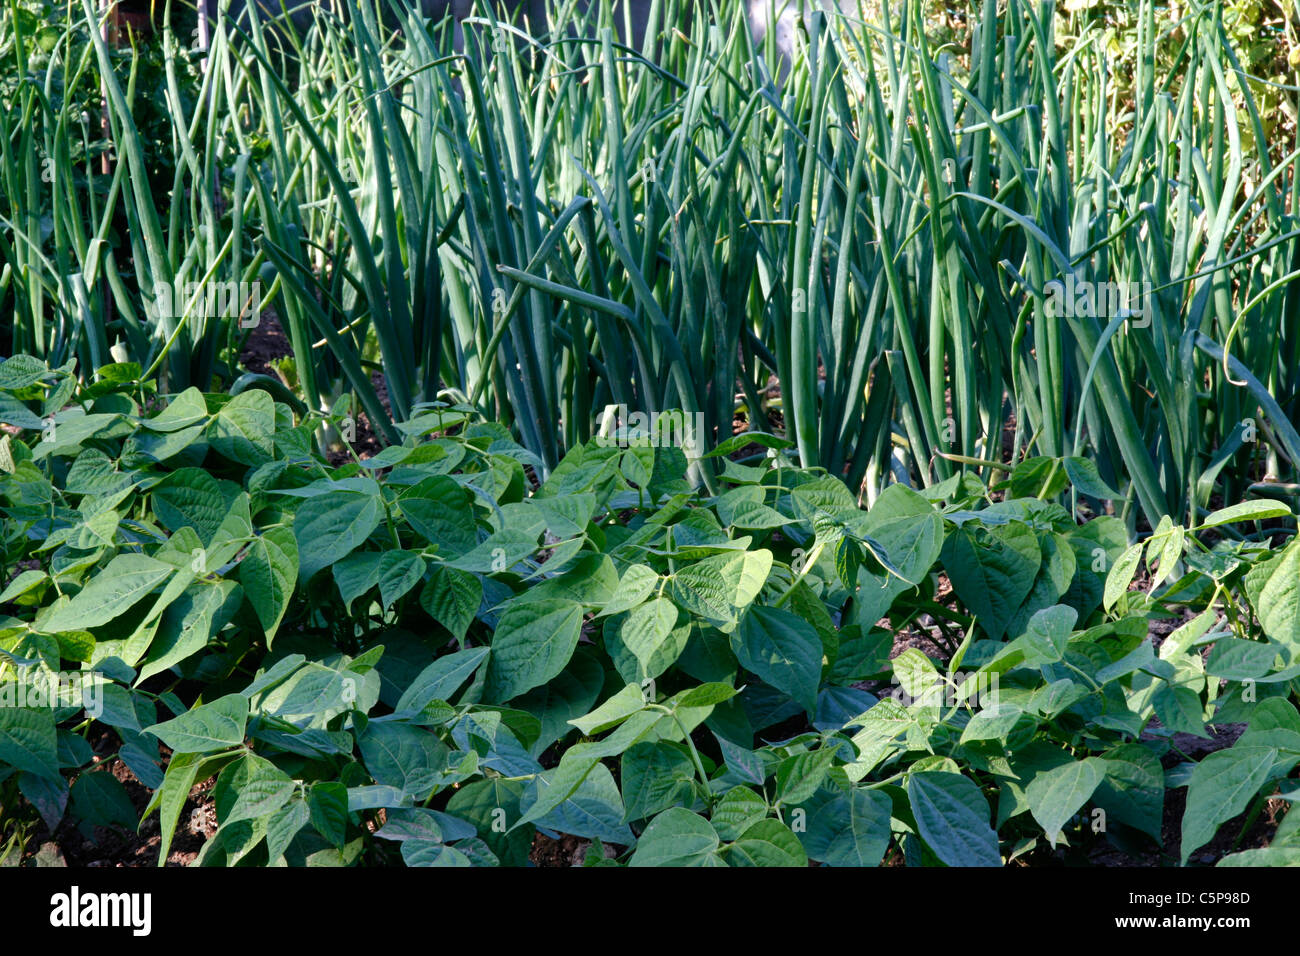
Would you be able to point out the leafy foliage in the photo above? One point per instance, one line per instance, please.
(429, 657)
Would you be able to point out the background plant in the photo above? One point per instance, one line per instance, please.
(877, 231)
(855, 249)
(120, 195)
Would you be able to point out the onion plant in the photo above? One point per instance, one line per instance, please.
(880, 244)
(110, 238)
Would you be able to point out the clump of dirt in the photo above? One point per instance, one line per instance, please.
(567, 851)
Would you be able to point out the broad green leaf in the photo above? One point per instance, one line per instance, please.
(15, 413)
(1055, 698)
(183, 411)
(49, 795)
(235, 531)
(994, 722)
(1274, 722)
(593, 811)
(356, 574)
(827, 493)
(1087, 480)
(189, 497)
(1133, 790)
(567, 697)
(655, 776)
(738, 810)
(579, 760)
(533, 642)
(706, 695)
(99, 799)
(162, 446)
(737, 442)
(1222, 786)
(633, 588)
(411, 759)
(19, 371)
(1171, 539)
(1234, 658)
(72, 427)
(953, 818)
(851, 829)
(647, 627)
(1179, 710)
(442, 512)
(767, 843)
(418, 823)
(23, 583)
(171, 796)
(800, 775)
(492, 806)
(993, 571)
(744, 507)
(1056, 795)
(188, 623)
(283, 826)
(315, 694)
(327, 805)
(918, 678)
(441, 679)
(268, 574)
(399, 571)
(28, 739)
(677, 837)
(783, 650)
(243, 429)
(612, 712)
(1274, 588)
(452, 598)
(250, 788)
(499, 551)
(427, 853)
(123, 582)
(1246, 511)
(883, 724)
(207, 727)
(183, 770)
(1121, 575)
(721, 587)
(1047, 635)
(1039, 477)
(331, 526)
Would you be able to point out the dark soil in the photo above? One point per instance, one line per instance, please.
(1229, 839)
(267, 344)
(105, 847)
(566, 851)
